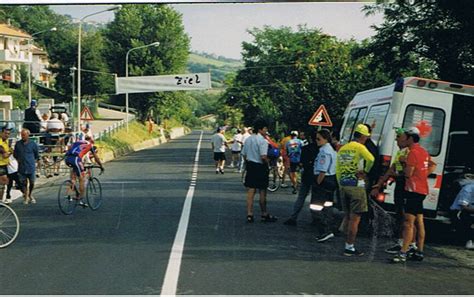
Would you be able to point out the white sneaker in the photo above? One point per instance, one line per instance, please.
(32, 200)
(7, 201)
(469, 245)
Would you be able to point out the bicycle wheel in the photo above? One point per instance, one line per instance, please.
(9, 225)
(94, 193)
(274, 180)
(66, 197)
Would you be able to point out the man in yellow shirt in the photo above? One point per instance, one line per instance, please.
(350, 173)
(4, 160)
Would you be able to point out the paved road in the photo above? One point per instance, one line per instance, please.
(125, 246)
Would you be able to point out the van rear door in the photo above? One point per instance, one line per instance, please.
(430, 112)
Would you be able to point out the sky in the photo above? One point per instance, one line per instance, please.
(220, 28)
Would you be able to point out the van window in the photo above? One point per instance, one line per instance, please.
(356, 116)
(376, 119)
(431, 118)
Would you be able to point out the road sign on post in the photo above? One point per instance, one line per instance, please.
(86, 114)
(320, 118)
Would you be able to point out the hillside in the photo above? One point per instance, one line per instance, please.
(218, 66)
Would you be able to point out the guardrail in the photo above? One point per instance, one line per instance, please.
(111, 129)
(117, 107)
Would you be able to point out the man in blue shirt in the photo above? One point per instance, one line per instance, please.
(255, 155)
(464, 205)
(26, 152)
(293, 150)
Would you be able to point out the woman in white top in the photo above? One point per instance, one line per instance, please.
(236, 148)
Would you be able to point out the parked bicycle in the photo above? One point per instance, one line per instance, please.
(9, 225)
(69, 196)
(276, 174)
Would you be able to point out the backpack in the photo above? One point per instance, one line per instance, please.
(273, 152)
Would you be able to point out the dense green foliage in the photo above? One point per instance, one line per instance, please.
(288, 74)
(425, 38)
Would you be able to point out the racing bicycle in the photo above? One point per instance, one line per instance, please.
(9, 225)
(69, 197)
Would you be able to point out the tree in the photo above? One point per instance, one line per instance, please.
(138, 25)
(287, 75)
(425, 38)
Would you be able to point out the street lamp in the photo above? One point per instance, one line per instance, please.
(156, 43)
(79, 62)
(29, 65)
(73, 75)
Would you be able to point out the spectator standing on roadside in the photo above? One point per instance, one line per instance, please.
(396, 171)
(351, 172)
(219, 144)
(5, 153)
(26, 153)
(293, 150)
(255, 154)
(308, 154)
(236, 148)
(32, 118)
(150, 125)
(464, 207)
(245, 135)
(12, 176)
(286, 160)
(324, 185)
(417, 168)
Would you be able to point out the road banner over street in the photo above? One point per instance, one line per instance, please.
(174, 82)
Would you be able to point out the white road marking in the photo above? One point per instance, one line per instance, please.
(170, 282)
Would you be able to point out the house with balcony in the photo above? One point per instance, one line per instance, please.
(39, 66)
(13, 52)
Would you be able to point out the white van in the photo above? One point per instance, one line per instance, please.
(443, 110)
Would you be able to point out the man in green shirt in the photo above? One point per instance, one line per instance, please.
(351, 173)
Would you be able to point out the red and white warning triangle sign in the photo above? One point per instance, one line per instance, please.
(86, 114)
(320, 118)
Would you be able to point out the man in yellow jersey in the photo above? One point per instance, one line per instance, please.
(350, 173)
(4, 160)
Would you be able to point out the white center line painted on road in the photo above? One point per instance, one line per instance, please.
(170, 282)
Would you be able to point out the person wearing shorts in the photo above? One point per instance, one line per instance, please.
(73, 159)
(396, 172)
(255, 154)
(293, 150)
(351, 183)
(5, 153)
(236, 148)
(417, 168)
(219, 144)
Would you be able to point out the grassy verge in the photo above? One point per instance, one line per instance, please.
(121, 141)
